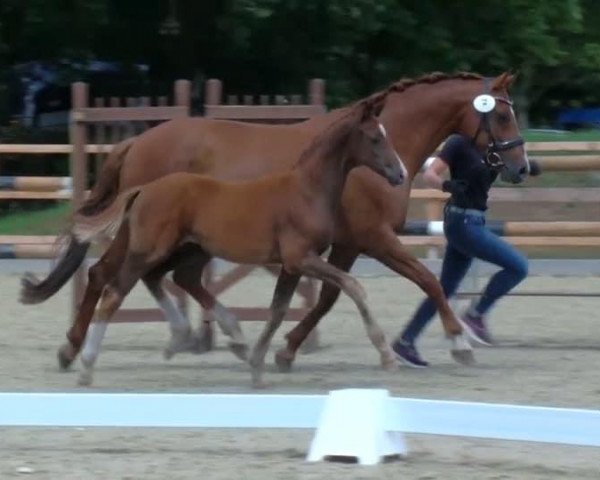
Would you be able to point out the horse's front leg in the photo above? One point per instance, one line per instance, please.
(188, 276)
(315, 266)
(284, 290)
(386, 247)
(341, 257)
(182, 338)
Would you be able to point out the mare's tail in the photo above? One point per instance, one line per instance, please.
(103, 193)
(106, 223)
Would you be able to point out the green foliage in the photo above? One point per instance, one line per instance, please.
(358, 46)
(48, 221)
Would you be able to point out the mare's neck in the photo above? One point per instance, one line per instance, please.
(420, 118)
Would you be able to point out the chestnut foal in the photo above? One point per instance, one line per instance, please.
(286, 218)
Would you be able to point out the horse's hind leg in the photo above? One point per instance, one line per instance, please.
(340, 257)
(188, 275)
(315, 266)
(284, 290)
(98, 276)
(388, 250)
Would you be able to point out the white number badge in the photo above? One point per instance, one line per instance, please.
(484, 103)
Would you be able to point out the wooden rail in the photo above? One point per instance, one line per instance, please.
(47, 149)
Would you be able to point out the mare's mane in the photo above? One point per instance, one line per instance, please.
(429, 79)
(332, 138)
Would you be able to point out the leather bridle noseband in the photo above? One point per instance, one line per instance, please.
(492, 155)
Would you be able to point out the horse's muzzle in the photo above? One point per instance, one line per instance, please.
(395, 179)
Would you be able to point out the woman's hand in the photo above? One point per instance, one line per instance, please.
(457, 188)
(534, 168)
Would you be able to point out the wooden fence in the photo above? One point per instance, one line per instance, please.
(553, 234)
(553, 156)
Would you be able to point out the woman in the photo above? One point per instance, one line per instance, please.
(467, 238)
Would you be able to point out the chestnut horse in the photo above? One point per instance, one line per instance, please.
(418, 115)
(285, 218)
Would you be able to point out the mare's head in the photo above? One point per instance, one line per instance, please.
(492, 125)
(368, 144)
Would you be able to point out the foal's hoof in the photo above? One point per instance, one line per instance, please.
(284, 360)
(66, 354)
(464, 357)
(240, 350)
(87, 374)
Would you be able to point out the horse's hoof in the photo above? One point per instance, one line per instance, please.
(257, 381)
(205, 339)
(259, 385)
(389, 362)
(311, 343)
(240, 350)
(461, 350)
(181, 342)
(464, 357)
(390, 366)
(284, 360)
(65, 355)
(85, 379)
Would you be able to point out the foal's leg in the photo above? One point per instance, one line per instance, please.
(386, 248)
(98, 276)
(315, 266)
(341, 257)
(112, 298)
(188, 276)
(284, 290)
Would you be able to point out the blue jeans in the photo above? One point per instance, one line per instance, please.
(468, 238)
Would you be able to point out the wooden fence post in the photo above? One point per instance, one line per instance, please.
(183, 93)
(213, 92)
(316, 91)
(78, 166)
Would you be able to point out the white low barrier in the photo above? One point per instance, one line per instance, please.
(465, 419)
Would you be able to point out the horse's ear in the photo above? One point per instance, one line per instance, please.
(503, 81)
(377, 108)
(370, 108)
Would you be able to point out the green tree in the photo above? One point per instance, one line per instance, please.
(358, 46)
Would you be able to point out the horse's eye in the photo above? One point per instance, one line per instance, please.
(503, 118)
(375, 140)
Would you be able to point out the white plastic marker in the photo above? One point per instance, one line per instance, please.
(484, 103)
(353, 424)
(384, 415)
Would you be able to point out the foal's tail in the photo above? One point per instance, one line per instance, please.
(105, 190)
(106, 223)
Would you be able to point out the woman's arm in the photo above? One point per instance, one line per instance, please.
(434, 174)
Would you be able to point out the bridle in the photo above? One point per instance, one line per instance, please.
(492, 155)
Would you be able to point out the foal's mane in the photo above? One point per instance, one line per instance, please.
(333, 138)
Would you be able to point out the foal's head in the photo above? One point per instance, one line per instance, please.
(367, 143)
